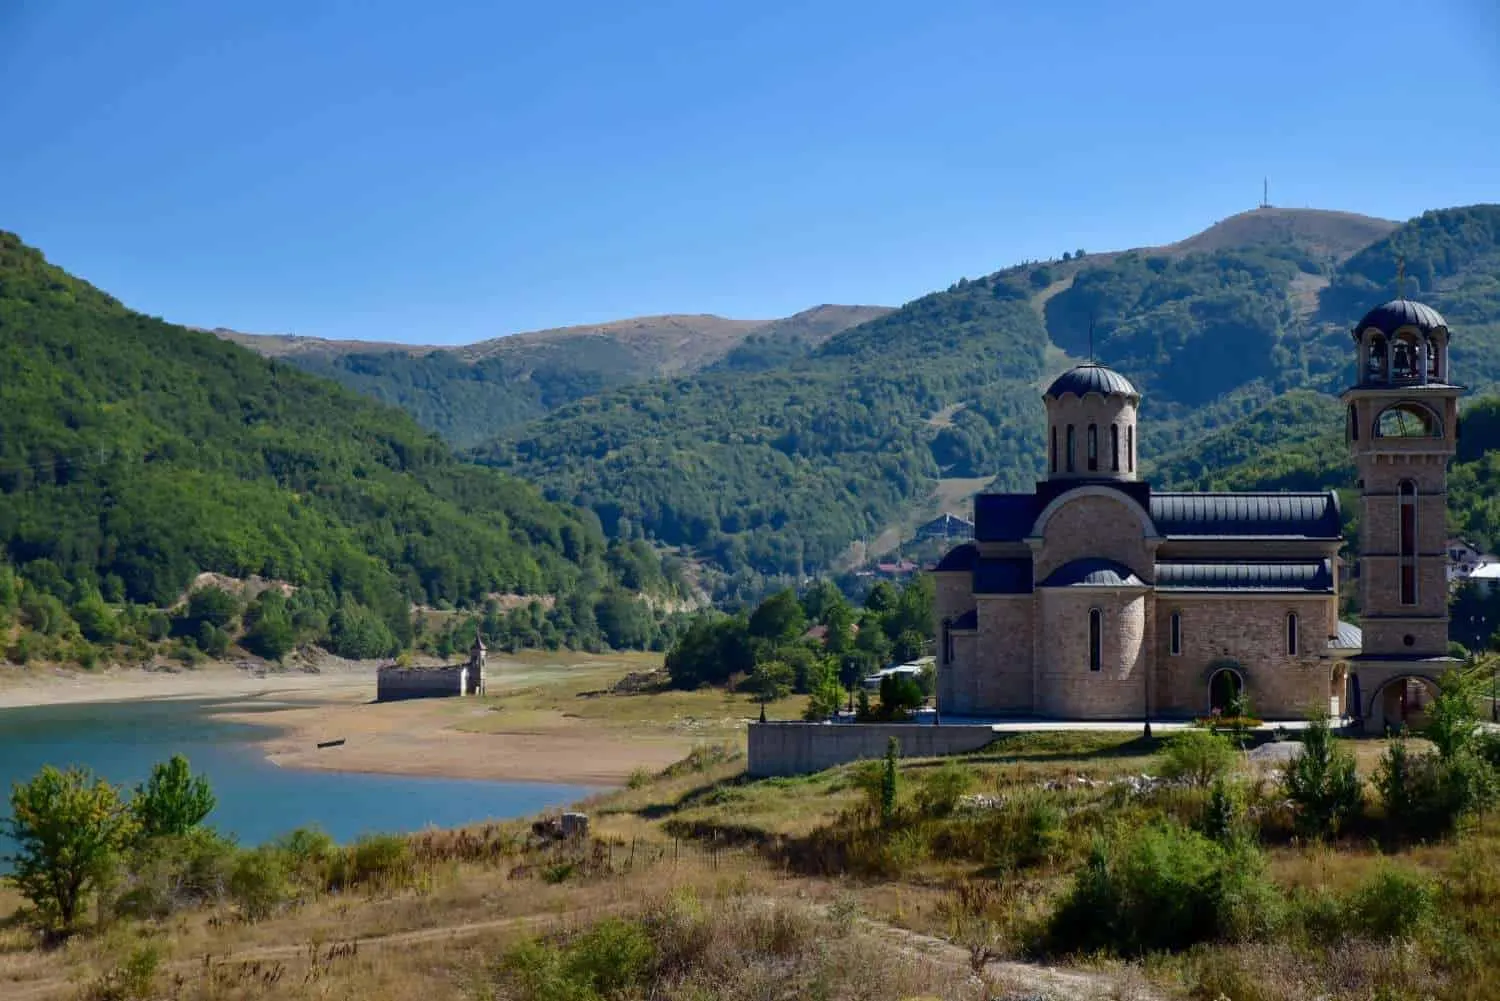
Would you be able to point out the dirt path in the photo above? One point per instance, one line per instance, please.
(1018, 979)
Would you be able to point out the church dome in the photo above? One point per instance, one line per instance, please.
(1091, 572)
(1400, 313)
(1084, 379)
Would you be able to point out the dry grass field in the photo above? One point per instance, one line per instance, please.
(695, 882)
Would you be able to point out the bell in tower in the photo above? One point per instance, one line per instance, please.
(1402, 430)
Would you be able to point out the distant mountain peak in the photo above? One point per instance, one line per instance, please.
(1340, 235)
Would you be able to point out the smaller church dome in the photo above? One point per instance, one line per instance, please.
(1092, 573)
(1400, 313)
(1084, 379)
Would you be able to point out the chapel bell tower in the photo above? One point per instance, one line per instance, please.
(1402, 427)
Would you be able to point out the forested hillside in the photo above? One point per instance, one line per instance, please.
(135, 454)
(470, 393)
(771, 470)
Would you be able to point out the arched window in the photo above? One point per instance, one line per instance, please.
(1408, 420)
(1407, 547)
(1054, 448)
(1093, 446)
(1375, 361)
(1434, 371)
(1069, 458)
(947, 642)
(1130, 446)
(1114, 447)
(1176, 633)
(1291, 634)
(1096, 639)
(1353, 429)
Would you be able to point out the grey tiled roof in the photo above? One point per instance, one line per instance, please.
(1247, 515)
(958, 558)
(1349, 638)
(968, 620)
(1092, 573)
(1398, 313)
(1009, 575)
(1085, 379)
(1303, 576)
(1004, 517)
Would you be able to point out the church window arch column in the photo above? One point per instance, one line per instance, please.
(1093, 448)
(1071, 446)
(1096, 639)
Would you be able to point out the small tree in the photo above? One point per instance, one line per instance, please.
(771, 680)
(899, 695)
(1198, 757)
(172, 801)
(1322, 781)
(68, 828)
(889, 779)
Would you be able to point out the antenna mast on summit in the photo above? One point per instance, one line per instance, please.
(1265, 192)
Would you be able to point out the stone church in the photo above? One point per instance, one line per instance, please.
(1097, 597)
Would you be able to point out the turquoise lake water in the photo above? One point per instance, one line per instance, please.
(120, 741)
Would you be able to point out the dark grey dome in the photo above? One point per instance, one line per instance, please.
(1400, 313)
(1091, 378)
(1092, 573)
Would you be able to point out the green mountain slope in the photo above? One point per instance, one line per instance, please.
(470, 393)
(135, 454)
(776, 470)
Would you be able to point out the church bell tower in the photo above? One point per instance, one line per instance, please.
(1402, 430)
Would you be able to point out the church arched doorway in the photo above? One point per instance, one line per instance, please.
(1403, 703)
(1224, 688)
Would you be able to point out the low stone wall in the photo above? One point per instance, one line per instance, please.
(393, 683)
(799, 748)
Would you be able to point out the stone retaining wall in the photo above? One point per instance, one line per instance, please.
(799, 748)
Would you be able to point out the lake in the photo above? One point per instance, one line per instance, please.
(120, 741)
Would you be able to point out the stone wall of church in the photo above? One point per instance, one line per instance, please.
(956, 681)
(1095, 526)
(1067, 687)
(1251, 631)
(1002, 683)
(953, 593)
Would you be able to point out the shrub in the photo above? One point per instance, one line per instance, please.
(1392, 903)
(1426, 795)
(312, 857)
(378, 857)
(1224, 814)
(1322, 782)
(1165, 888)
(134, 979)
(1198, 756)
(258, 884)
(166, 874)
(609, 960)
(943, 787)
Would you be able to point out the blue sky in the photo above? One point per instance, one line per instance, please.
(439, 172)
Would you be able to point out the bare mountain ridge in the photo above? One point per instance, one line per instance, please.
(670, 343)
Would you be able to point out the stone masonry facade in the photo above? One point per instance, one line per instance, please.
(1097, 597)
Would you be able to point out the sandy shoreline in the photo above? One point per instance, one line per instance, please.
(418, 737)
